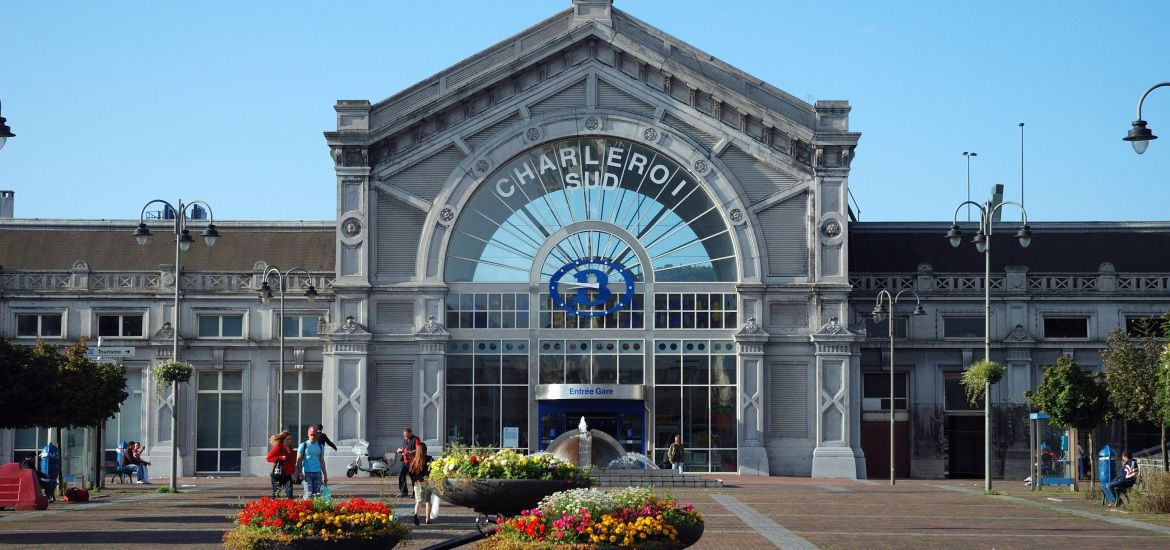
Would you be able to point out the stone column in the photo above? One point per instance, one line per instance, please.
(344, 382)
(838, 362)
(753, 455)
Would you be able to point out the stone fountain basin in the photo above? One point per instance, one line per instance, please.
(507, 497)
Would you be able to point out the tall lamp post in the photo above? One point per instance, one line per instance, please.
(881, 310)
(1139, 136)
(969, 156)
(982, 242)
(183, 241)
(265, 297)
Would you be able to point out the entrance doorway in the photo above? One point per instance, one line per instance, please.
(624, 420)
(965, 447)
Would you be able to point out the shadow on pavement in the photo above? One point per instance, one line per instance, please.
(89, 537)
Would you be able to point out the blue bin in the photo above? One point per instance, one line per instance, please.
(1105, 464)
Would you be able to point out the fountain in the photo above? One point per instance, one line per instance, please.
(632, 461)
(612, 465)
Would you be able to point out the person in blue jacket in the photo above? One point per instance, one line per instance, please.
(1126, 478)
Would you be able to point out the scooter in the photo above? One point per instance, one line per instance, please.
(375, 467)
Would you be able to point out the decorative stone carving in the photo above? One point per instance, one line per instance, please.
(482, 166)
(751, 326)
(1019, 334)
(351, 227)
(592, 123)
(532, 134)
(349, 326)
(432, 327)
(701, 165)
(260, 266)
(80, 265)
(447, 214)
(651, 134)
(167, 332)
(736, 215)
(831, 228)
(835, 328)
(336, 153)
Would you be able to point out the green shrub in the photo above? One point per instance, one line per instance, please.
(1155, 499)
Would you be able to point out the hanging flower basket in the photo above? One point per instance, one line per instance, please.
(979, 376)
(170, 372)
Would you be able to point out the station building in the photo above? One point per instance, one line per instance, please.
(589, 219)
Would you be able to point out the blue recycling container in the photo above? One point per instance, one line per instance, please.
(1105, 464)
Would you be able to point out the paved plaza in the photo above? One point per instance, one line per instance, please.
(745, 513)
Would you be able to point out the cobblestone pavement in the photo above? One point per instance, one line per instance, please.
(746, 513)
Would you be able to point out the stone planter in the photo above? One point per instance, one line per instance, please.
(507, 497)
(688, 535)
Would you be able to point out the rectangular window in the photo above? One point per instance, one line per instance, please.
(882, 329)
(487, 388)
(487, 310)
(126, 424)
(302, 401)
(120, 326)
(39, 325)
(221, 326)
(876, 391)
(1143, 327)
(696, 311)
(219, 422)
(955, 394)
(695, 397)
(300, 326)
(963, 327)
(552, 315)
(1066, 327)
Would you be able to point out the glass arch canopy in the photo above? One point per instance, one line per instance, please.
(602, 182)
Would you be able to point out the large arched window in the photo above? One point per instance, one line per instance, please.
(598, 182)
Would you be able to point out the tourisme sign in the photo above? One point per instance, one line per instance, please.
(109, 352)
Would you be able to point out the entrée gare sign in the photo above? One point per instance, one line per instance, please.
(589, 391)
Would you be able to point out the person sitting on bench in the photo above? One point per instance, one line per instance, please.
(1126, 478)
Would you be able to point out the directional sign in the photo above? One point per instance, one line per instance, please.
(110, 351)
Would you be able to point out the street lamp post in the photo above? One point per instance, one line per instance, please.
(982, 242)
(969, 156)
(5, 131)
(880, 310)
(183, 241)
(1139, 136)
(265, 297)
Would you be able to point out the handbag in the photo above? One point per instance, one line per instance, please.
(278, 474)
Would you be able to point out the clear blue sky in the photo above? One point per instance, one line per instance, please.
(117, 103)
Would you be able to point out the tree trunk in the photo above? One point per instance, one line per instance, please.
(1074, 462)
(61, 467)
(1092, 463)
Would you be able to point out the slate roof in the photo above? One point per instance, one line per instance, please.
(54, 245)
(1057, 247)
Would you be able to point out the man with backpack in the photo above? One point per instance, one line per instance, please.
(406, 454)
(311, 463)
(674, 454)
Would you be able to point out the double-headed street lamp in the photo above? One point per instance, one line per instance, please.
(886, 310)
(1139, 136)
(265, 297)
(982, 242)
(183, 241)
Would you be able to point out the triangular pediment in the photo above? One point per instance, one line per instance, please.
(641, 68)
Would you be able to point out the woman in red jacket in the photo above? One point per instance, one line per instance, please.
(283, 460)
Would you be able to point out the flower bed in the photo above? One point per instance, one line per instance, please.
(465, 463)
(588, 518)
(277, 523)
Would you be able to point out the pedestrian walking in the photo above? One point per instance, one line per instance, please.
(676, 453)
(420, 468)
(311, 464)
(283, 461)
(406, 454)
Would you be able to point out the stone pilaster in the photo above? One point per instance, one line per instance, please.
(432, 340)
(753, 456)
(838, 396)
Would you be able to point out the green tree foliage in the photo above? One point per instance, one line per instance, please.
(1131, 374)
(1070, 396)
(45, 387)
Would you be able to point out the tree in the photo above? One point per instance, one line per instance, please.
(20, 405)
(1072, 398)
(1162, 399)
(1132, 375)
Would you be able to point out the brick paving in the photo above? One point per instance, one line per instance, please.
(745, 513)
